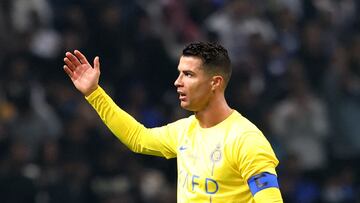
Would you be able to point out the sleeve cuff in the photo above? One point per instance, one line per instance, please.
(98, 91)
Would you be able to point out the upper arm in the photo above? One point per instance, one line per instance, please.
(253, 155)
(160, 141)
(269, 195)
(265, 187)
(256, 162)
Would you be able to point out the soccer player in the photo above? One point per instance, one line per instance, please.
(221, 156)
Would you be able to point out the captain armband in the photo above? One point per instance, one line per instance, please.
(262, 181)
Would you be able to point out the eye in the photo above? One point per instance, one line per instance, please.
(188, 74)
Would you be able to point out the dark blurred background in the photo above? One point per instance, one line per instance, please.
(296, 76)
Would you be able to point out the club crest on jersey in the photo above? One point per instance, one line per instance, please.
(216, 155)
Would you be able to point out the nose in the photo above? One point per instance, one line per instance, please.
(178, 82)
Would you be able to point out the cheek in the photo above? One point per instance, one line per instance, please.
(201, 92)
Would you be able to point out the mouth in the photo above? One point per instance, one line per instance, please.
(182, 95)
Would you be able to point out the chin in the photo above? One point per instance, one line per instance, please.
(185, 106)
(188, 108)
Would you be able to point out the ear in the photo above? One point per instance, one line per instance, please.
(217, 82)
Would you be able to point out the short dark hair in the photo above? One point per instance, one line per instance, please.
(215, 58)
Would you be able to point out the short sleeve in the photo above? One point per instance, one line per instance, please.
(253, 154)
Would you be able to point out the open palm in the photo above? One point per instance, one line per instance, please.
(82, 74)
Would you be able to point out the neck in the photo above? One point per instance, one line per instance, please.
(215, 112)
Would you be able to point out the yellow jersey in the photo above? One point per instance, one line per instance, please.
(214, 164)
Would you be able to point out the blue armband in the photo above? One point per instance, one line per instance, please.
(262, 181)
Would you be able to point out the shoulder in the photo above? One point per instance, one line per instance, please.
(243, 136)
(240, 127)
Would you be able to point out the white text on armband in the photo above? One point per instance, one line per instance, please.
(191, 182)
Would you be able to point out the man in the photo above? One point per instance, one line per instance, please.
(221, 156)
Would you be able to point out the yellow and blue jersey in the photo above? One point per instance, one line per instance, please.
(214, 164)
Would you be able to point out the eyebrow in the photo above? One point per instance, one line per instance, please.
(187, 71)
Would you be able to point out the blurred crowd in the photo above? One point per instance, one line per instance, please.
(296, 75)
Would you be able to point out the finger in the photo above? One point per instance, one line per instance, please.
(68, 71)
(69, 64)
(75, 61)
(80, 56)
(97, 64)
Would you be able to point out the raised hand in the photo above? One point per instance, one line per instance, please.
(82, 74)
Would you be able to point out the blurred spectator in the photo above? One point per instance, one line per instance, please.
(342, 90)
(301, 122)
(22, 12)
(179, 21)
(314, 53)
(155, 188)
(236, 22)
(296, 187)
(16, 180)
(33, 119)
(287, 30)
(340, 187)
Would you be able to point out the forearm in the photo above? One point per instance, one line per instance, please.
(122, 125)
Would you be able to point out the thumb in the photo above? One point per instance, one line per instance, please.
(97, 63)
